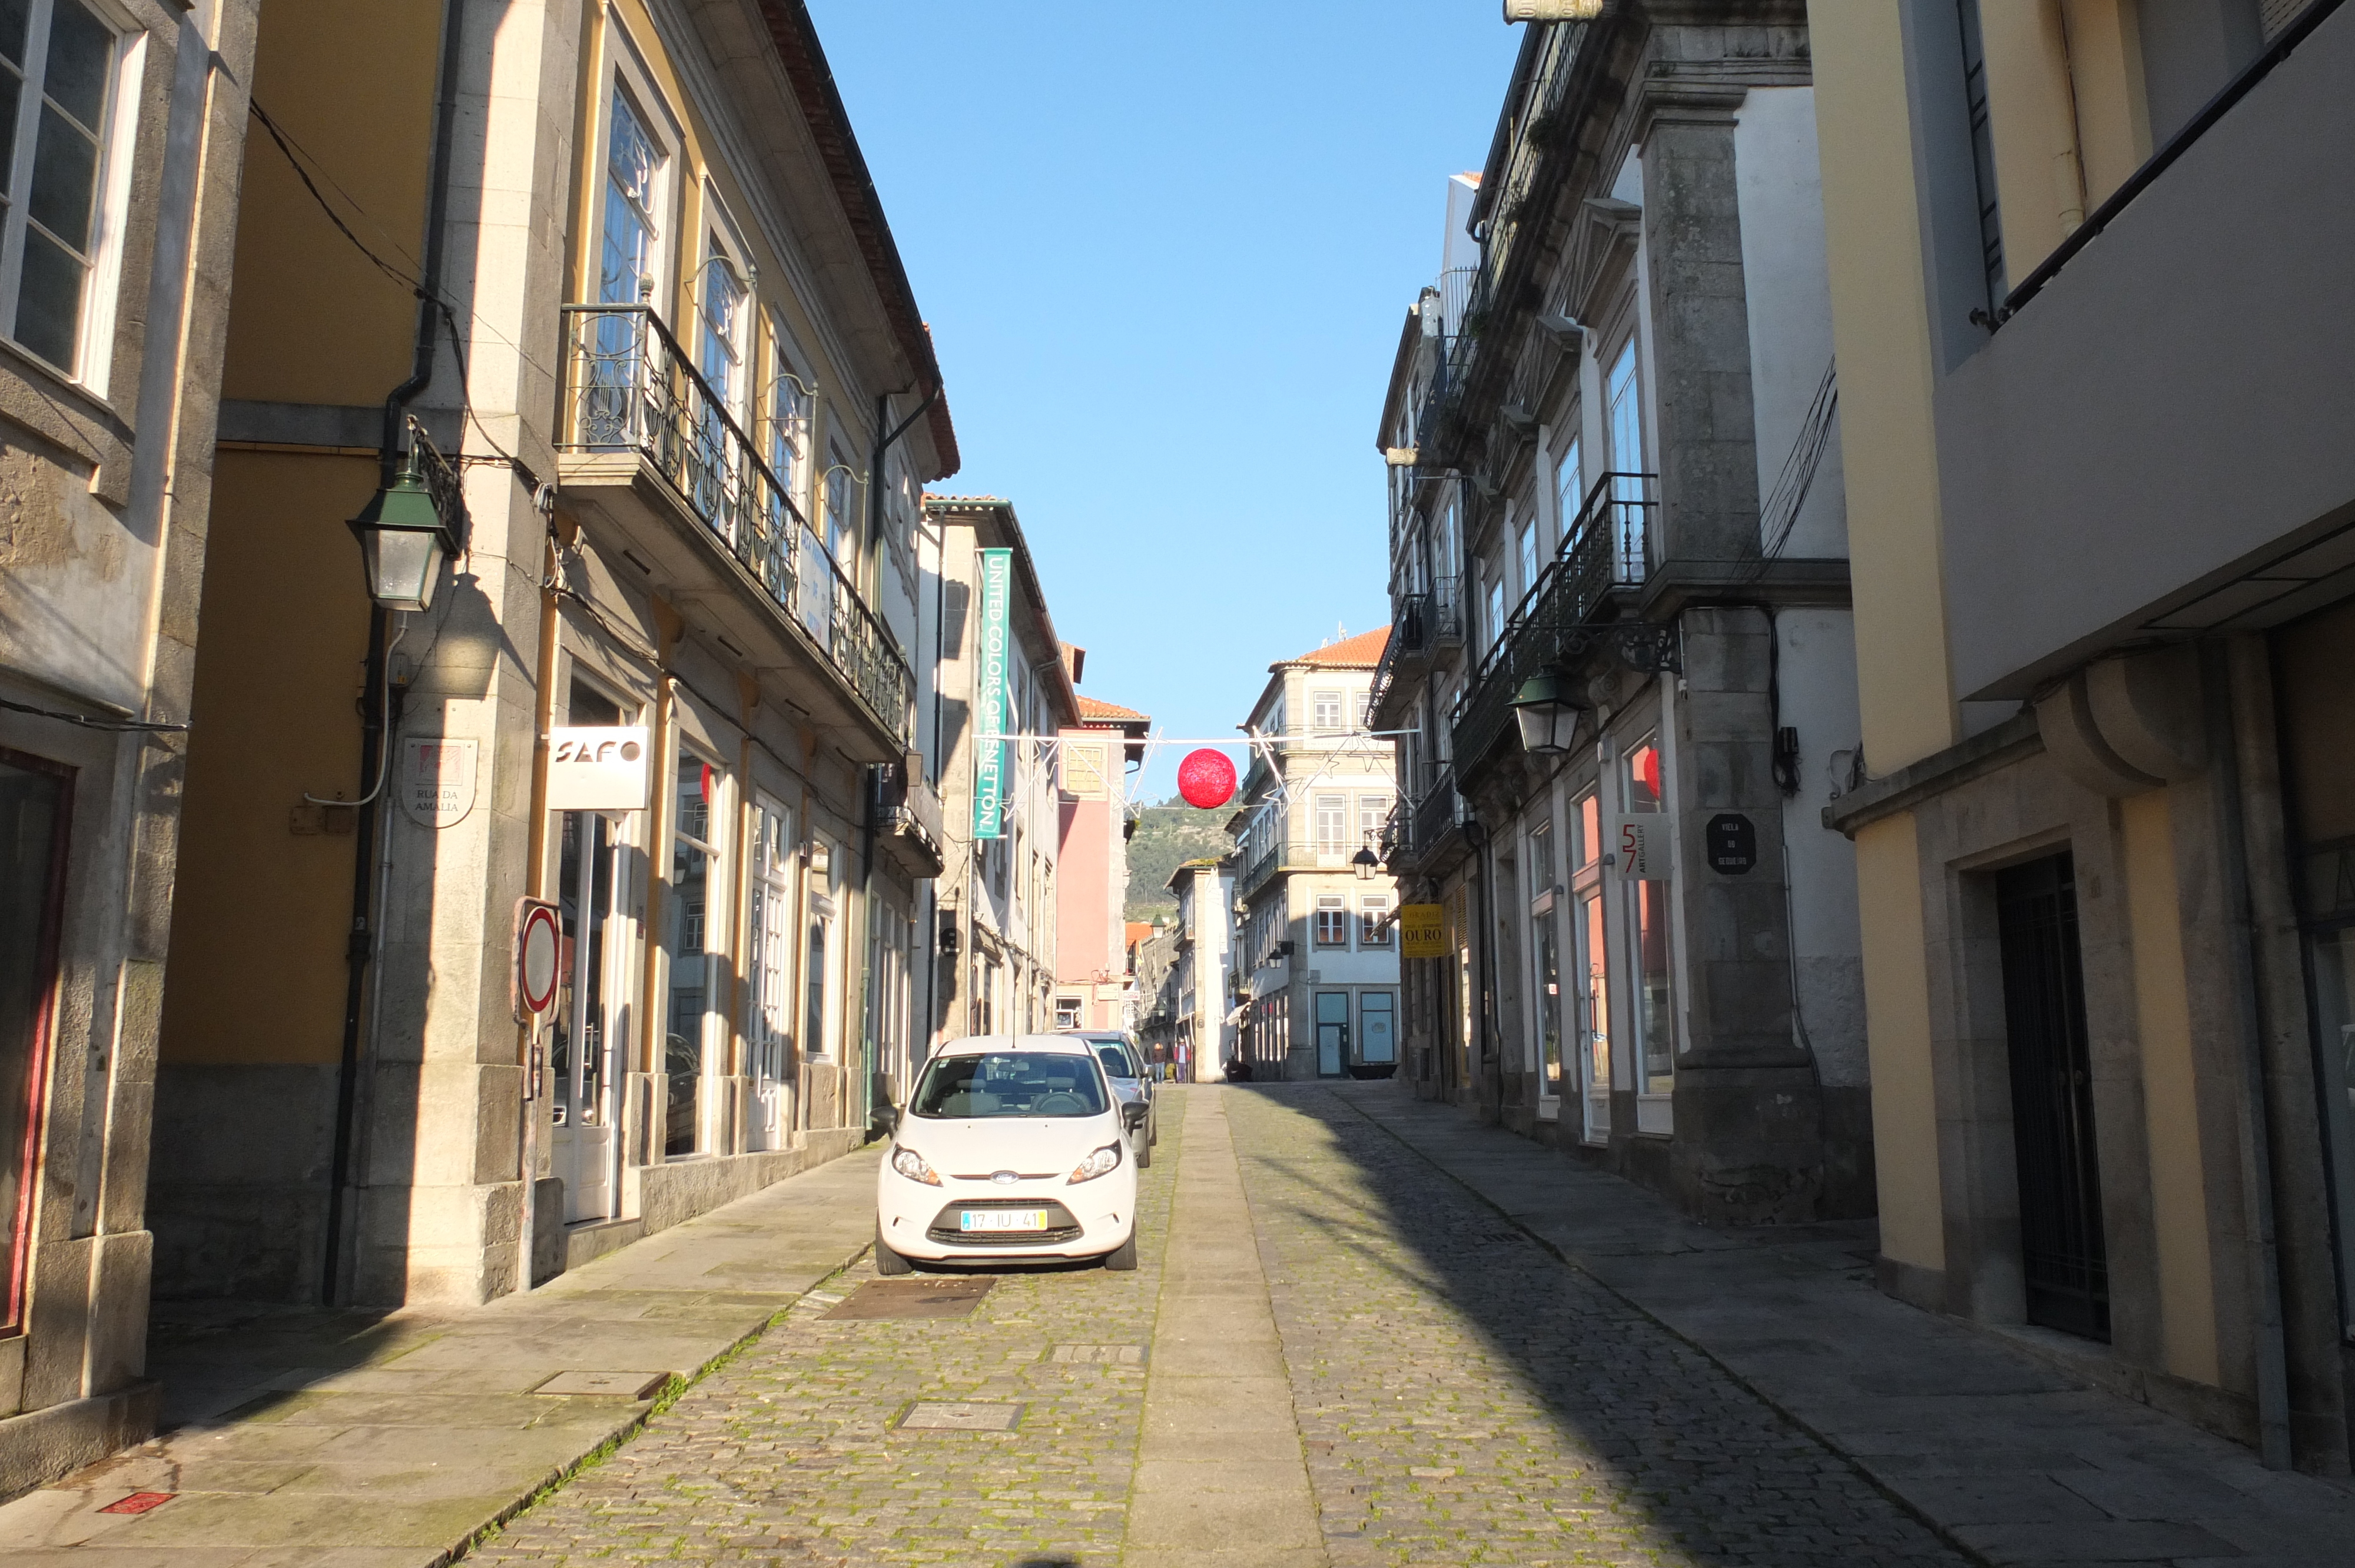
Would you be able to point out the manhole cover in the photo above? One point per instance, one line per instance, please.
(1090, 1355)
(959, 1415)
(914, 1297)
(606, 1384)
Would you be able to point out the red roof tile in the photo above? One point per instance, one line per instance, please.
(1090, 708)
(1362, 651)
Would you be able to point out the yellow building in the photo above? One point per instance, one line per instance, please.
(118, 210)
(603, 290)
(2092, 315)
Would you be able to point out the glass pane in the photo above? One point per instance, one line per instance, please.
(685, 937)
(12, 89)
(1596, 1004)
(1548, 1003)
(49, 306)
(1659, 1000)
(31, 815)
(65, 179)
(14, 16)
(80, 48)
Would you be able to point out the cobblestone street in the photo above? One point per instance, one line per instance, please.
(1458, 1396)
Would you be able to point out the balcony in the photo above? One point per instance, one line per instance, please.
(908, 818)
(1439, 813)
(654, 460)
(1565, 610)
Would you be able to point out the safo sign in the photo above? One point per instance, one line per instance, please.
(598, 767)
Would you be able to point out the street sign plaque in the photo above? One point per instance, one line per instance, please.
(1733, 841)
(538, 957)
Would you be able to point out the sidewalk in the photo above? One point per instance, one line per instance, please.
(352, 1440)
(2008, 1459)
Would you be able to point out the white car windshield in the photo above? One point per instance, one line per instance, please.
(1011, 1084)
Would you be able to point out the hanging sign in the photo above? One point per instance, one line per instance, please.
(1639, 844)
(1422, 931)
(989, 696)
(598, 767)
(538, 953)
(1733, 841)
(437, 780)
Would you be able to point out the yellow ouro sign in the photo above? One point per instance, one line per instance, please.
(1422, 931)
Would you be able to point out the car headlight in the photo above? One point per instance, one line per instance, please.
(1102, 1162)
(911, 1164)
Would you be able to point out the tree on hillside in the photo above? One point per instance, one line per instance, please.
(1169, 835)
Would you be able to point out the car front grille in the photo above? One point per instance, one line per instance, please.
(1062, 1225)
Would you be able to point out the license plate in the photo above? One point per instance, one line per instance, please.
(1003, 1220)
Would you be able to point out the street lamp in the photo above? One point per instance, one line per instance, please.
(403, 541)
(1365, 862)
(1549, 720)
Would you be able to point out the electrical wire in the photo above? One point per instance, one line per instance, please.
(1779, 516)
(90, 721)
(383, 752)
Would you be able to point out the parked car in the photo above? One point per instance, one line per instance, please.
(1124, 1064)
(1010, 1147)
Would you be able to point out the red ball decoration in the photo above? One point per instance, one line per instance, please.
(1206, 779)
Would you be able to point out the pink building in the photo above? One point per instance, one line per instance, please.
(1092, 984)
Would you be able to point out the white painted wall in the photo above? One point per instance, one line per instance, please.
(1819, 699)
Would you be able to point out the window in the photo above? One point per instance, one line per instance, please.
(1326, 710)
(1332, 820)
(1067, 1012)
(1656, 1000)
(1974, 94)
(57, 85)
(1495, 626)
(1373, 816)
(33, 798)
(1569, 491)
(1373, 920)
(1528, 551)
(1366, 709)
(1588, 815)
(817, 1036)
(695, 862)
(1332, 921)
(633, 166)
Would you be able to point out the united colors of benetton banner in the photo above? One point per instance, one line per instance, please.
(990, 697)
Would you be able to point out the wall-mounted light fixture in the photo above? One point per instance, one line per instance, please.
(404, 540)
(1548, 718)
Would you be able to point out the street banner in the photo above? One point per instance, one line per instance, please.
(989, 696)
(1422, 931)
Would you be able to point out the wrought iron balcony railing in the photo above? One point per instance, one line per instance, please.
(1607, 547)
(1439, 811)
(629, 386)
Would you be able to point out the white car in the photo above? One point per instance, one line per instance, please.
(1010, 1147)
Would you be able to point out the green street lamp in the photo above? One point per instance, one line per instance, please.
(403, 541)
(1548, 718)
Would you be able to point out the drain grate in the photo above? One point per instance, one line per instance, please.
(1109, 1355)
(914, 1297)
(959, 1415)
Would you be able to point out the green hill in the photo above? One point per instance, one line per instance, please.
(1169, 835)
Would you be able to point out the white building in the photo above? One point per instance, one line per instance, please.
(1319, 928)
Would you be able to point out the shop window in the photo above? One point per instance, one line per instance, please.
(695, 862)
(33, 798)
(1068, 1010)
(1654, 997)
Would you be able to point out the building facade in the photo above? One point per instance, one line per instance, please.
(2105, 617)
(1317, 937)
(1622, 652)
(1203, 1009)
(1003, 694)
(1094, 985)
(120, 215)
(606, 287)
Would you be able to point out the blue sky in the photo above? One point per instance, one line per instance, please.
(1166, 252)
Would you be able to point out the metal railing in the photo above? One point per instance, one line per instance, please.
(631, 388)
(1439, 811)
(1607, 547)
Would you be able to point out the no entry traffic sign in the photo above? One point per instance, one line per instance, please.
(538, 953)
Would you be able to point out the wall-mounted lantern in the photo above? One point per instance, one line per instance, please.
(404, 540)
(1548, 718)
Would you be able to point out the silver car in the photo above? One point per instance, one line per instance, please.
(1124, 1064)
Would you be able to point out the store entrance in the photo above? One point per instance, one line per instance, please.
(581, 1051)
